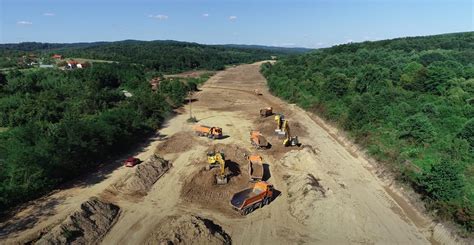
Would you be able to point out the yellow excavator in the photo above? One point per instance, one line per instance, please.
(216, 159)
(281, 124)
(290, 140)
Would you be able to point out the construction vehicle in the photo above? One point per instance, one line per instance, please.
(257, 92)
(131, 161)
(281, 125)
(210, 132)
(216, 159)
(255, 168)
(289, 139)
(247, 200)
(257, 140)
(265, 112)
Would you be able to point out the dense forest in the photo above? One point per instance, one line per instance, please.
(163, 56)
(59, 124)
(409, 101)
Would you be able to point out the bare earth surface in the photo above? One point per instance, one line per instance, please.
(328, 194)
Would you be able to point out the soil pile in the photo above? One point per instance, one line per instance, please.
(85, 226)
(188, 229)
(201, 187)
(304, 190)
(179, 142)
(139, 181)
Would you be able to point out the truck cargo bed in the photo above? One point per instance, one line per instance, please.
(256, 170)
(239, 198)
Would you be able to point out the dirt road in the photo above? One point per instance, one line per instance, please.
(329, 194)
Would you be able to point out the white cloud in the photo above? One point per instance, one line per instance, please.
(158, 16)
(349, 41)
(24, 22)
(49, 14)
(232, 17)
(205, 15)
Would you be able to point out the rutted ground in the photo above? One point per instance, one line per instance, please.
(328, 194)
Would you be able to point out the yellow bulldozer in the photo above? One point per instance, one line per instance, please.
(217, 159)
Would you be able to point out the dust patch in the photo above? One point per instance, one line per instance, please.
(88, 225)
(201, 188)
(177, 143)
(140, 179)
(188, 229)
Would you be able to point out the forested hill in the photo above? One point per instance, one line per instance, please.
(164, 56)
(409, 101)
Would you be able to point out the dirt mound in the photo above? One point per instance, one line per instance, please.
(179, 142)
(88, 225)
(201, 187)
(139, 180)
(304, 190)
(188, 229)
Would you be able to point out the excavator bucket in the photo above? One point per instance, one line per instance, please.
(221, 180)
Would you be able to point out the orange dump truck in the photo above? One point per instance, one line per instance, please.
(257, 140)
(265, 112)
(210, 132)
(255, 167)
(247, 200)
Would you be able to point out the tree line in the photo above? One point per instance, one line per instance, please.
(409, 101)
(61, 124)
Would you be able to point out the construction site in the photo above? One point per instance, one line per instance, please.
(253, 169)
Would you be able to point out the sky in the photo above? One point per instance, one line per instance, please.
(288, 23)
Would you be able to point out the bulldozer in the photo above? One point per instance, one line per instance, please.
(289, 139)
(217, 159)
(265, 112)
(281, 125)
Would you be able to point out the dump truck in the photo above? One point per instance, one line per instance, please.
(255, 168)
(265, 112)
(247, 200)
(257, 140)
(206, 131)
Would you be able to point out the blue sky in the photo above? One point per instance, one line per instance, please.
(303, 23)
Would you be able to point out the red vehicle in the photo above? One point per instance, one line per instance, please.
(131, 161)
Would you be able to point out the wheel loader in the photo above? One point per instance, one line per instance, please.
(217, 159)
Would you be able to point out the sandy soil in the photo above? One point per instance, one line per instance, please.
(328, 193)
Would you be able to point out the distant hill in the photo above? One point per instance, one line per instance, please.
(166, 55)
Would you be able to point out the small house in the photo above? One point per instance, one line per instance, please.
(57, 56)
